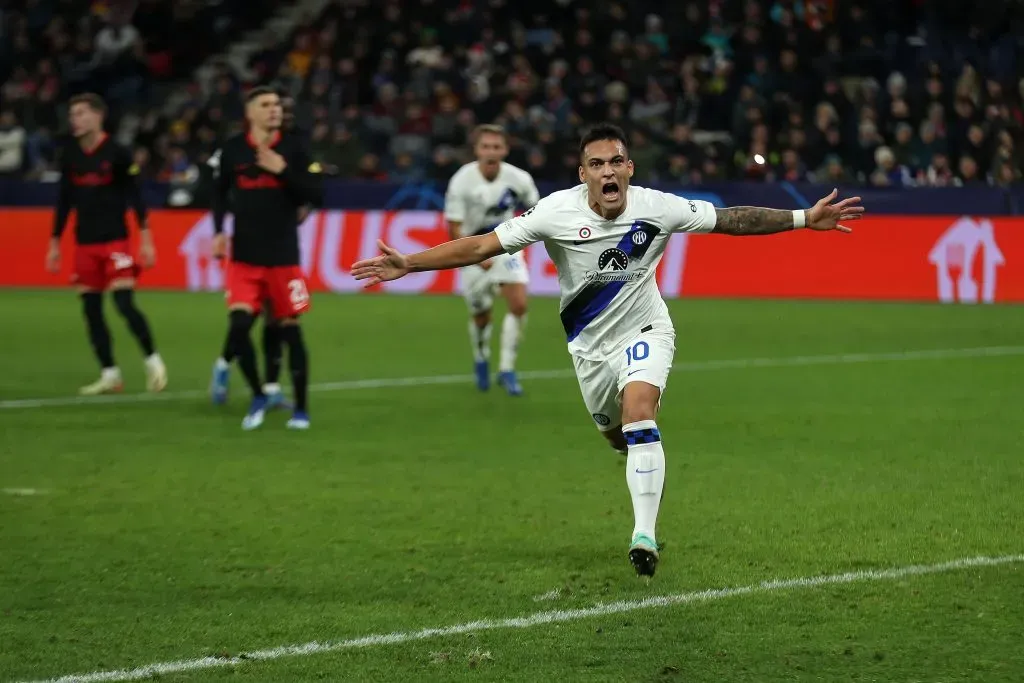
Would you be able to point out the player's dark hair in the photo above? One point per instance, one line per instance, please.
(91, 99)
(603, 131)
(260, 91)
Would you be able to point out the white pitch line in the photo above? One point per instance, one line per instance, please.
(435, 380)
(536, 619)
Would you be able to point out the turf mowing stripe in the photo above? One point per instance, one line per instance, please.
(536, 619)
(692, 366)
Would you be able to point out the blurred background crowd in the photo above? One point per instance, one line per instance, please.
(878, 92)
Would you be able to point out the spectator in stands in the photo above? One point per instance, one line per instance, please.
(888, 173)
(833, 172)
(939, 173)
(792, 169)
(784, 79)
(116, 39)
(969, 174)
(12, 144)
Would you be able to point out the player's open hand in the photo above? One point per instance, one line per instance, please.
(269, 160)
(828, 216)
(390, 265)
(53, 259)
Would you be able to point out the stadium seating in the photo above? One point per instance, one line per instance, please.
(881, 93)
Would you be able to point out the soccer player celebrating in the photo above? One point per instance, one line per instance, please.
(100, 181)
(606, 239)
(264, 177)
(481, 195)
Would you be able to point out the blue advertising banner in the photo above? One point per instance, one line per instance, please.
(339, 194)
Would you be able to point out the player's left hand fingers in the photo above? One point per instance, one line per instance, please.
(843, 228)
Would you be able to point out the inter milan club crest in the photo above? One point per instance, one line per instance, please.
(612, 259)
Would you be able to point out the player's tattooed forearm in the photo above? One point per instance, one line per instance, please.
(752, 220)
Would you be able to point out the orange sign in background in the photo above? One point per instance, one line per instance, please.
(945, 258)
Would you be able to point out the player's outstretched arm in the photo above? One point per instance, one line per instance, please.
(393, 264)
(753, 220)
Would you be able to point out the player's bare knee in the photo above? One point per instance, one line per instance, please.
(640, 402)
(517, 308)
(515, 297)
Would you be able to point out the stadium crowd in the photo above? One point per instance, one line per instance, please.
(880, 92)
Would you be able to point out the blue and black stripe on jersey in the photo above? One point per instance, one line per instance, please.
(509, 200)
(593, 299)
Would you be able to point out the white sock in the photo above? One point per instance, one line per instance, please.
(111, 373)
(155, 359)
(511, 334)
(274, 388)
(645, 473)
(480, 339)
(221, 364)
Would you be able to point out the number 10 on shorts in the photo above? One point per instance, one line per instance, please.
(637, 352)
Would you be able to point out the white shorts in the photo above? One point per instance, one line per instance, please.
(478, 285)
(646, 357)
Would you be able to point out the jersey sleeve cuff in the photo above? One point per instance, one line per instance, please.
(505, 240)
(708, 217)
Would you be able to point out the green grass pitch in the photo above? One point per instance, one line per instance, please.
(141, 532)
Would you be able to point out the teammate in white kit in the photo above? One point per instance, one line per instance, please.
(480, 196)
(606, 239)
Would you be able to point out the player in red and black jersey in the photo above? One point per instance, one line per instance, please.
(100, 182)
(264, 177)
(272, 345)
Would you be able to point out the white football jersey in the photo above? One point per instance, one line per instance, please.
(606, 268)
(480, 204)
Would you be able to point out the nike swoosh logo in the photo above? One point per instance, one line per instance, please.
(633, 372)
(639, 471)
